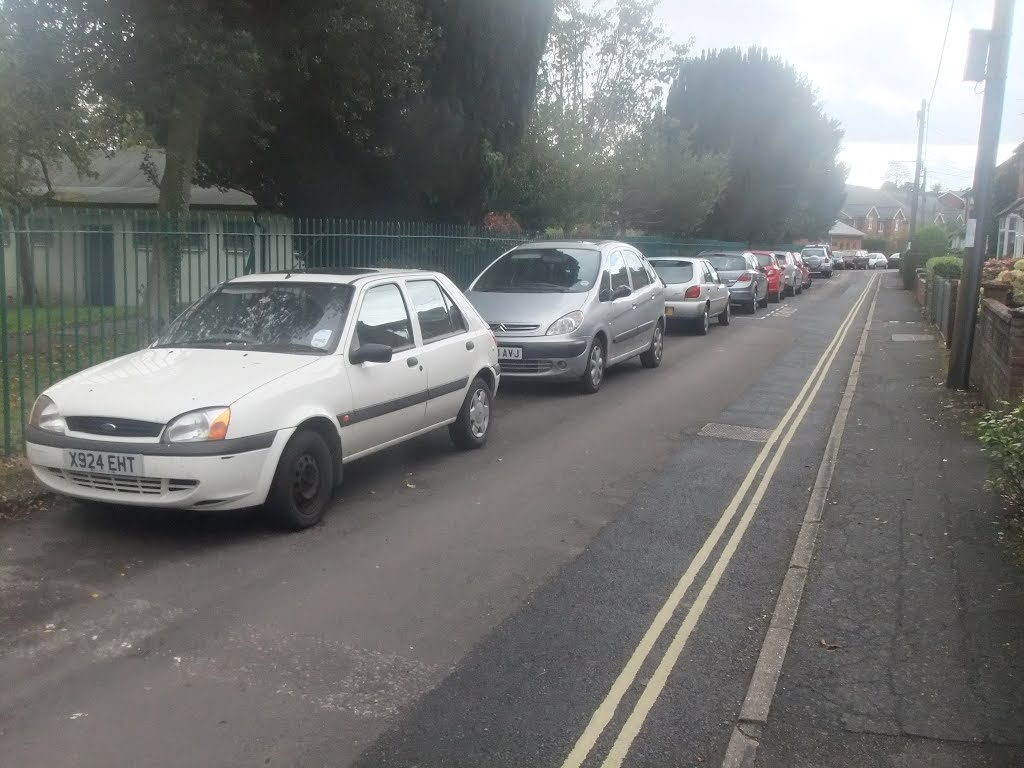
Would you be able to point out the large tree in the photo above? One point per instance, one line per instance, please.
(600, 152)
(50, 112)
(785, 177)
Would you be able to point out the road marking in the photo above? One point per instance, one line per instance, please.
(736, 432)
(743, 744)
(606, 710)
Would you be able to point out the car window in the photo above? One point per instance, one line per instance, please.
(707, 272)
(383, 319)
(636, 270)
(764, 259)
(729, 262)
(655, 280)
(542, 270)
(819, 252)
(437, 313)
(715, 278)
(674, 271)
(620, 274)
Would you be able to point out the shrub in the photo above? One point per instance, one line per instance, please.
(995, 267)
(1019, 265)
(949, 267)
(928, 242)
(1002, 433)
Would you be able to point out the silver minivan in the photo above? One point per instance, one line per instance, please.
(568, 310)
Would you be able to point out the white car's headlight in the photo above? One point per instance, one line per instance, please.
(199, 426)
(566, 324)
(46, 416)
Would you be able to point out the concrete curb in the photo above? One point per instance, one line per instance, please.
(753, 717)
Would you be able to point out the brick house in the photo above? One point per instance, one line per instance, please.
(843, 237)
(1010, 242)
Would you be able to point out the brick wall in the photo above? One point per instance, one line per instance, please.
(997, 363)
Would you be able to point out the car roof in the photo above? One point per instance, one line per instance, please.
(342, 275)
(589, 244)
(705, 254)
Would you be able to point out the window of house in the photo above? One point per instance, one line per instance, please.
(239, 235)
(41, 230)
(150, 229)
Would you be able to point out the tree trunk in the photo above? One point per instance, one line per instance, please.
(26, 262)
(185, 123)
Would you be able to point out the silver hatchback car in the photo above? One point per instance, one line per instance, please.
(568, 310)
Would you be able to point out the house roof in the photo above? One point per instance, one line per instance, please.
(1016, 205)
(839, 229)
(119, 179)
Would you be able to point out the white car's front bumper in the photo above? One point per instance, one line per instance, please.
(221, 481)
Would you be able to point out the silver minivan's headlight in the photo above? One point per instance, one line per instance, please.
(199, 426)
(46, 416)
(566, 324)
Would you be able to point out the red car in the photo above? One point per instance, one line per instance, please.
(770, 266)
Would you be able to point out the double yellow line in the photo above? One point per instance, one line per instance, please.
(781, 436)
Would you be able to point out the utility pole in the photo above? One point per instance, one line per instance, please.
(922, 116)
(984, 175)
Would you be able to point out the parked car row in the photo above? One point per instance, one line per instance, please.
(263, 391)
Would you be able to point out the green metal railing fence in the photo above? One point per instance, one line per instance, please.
(80, 286)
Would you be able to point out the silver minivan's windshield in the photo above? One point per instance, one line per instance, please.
(673, 271)
(290, 317)
(542, 270)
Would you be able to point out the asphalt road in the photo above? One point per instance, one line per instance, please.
(454, 609)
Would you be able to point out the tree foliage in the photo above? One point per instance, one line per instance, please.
(600, 152)
(50, 112)
(785, 177)
(897, 176)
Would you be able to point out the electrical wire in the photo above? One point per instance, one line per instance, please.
(935, 82)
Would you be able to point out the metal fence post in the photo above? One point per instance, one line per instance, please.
(5, 362)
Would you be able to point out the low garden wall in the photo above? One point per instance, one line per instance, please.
(997, 362)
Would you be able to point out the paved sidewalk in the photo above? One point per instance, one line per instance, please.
(909, 646)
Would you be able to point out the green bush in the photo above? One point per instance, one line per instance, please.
(1002, 433)
(949, 267)
(928, 243)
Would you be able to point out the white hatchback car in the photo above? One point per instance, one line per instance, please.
(261, 391)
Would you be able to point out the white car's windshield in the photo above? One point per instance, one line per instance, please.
(290, 317)
(542, 270)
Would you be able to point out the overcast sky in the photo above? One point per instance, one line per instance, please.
(872, 62)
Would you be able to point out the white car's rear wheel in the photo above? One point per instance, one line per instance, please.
(473, 425)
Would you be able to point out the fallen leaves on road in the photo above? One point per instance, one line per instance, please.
(829, 646)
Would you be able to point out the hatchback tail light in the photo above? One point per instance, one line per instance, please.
(744, 278)
(693, 292)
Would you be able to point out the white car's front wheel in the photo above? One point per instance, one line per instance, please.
(304, 482)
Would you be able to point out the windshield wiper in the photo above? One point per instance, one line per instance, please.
(301, 348)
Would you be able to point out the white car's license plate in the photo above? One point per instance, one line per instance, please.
(510, 353)
(102, 462)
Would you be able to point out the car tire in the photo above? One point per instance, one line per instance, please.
(592, 378)
(725, 316)
(776, 297)
(651, 357)
(766, 299)
(798, 290)
(752, 306)
(303, 483)
(703, 323)
(473, 425)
